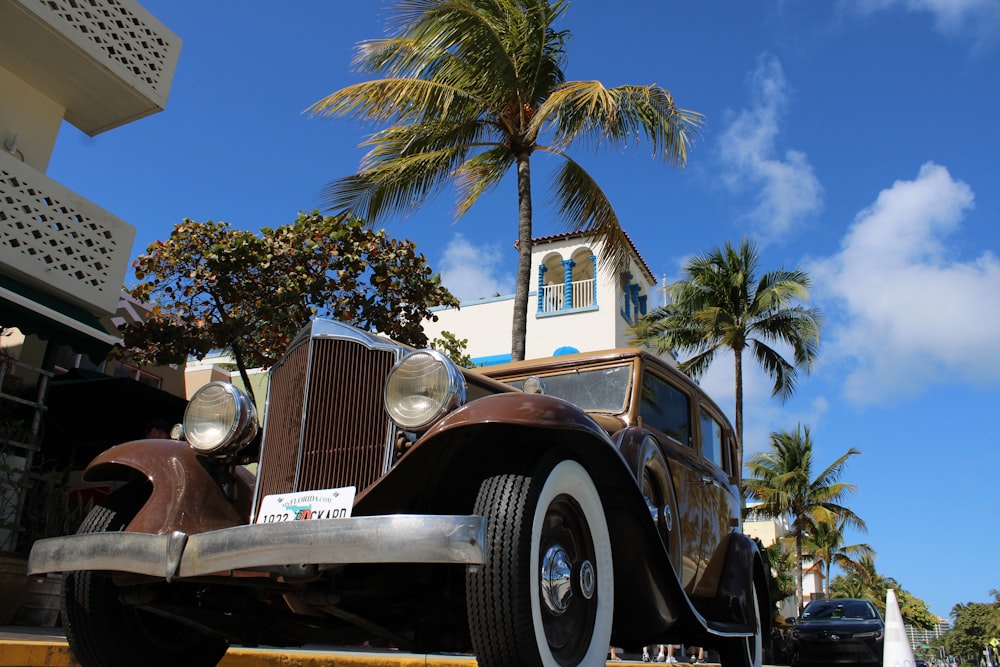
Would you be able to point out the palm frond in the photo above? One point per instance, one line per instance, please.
(479, 174)
(401, 143)
(833, 471)
(470, 32)
(583, 206)
(795, 326)
(696, 365)
(776, 367)
(588, 112)
(393, 186)
(406, 164)
(397, 101)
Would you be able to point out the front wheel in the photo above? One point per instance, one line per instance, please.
(747, 651)
(545, 595)
(105, 632)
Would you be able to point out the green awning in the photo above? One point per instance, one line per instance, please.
(50, 318)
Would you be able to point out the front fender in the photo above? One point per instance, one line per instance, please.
(442, 470)
(184, 496)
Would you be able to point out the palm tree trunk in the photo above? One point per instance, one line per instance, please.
(739, 411)
(798, 569)
(519, 328)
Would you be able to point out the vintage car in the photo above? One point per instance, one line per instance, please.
(531, 513)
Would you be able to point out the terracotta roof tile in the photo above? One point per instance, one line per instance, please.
(571, 235)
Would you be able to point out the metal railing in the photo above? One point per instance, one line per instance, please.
(17, 450)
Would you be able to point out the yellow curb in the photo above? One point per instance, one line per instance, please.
(245, 657)
(35, 654)
(56, 653)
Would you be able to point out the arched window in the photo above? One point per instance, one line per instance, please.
(567, 284)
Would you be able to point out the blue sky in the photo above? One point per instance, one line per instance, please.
(856, 140)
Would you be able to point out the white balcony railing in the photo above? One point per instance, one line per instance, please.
(553, 296)
(107, 62)
(583, 293)
(57, 241)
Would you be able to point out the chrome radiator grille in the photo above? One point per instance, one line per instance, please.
(325, 426)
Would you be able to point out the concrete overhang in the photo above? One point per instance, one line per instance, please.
(106, 62)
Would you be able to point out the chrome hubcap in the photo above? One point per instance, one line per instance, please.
(557, 587)
(557, 580)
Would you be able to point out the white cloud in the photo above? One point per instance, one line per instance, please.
(474, 272)
(951, 17)
(787, 189)
(904, 312)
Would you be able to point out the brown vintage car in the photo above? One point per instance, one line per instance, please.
(531, 513)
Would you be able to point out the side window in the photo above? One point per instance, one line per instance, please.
(665, 408)
(712, 441)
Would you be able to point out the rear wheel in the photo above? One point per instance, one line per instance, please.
(546, 592)
(104, 632)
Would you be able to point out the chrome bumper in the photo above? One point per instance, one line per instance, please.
(397, 538)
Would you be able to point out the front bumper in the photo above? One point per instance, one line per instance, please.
(847, 651)
(397, 538)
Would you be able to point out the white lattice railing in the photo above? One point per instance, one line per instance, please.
(121, 30)
(125, 34)
(105, 62)
(553, 296)
(55, 239)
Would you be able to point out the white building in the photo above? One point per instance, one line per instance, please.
(770, 531)
(578, 304)
(97, 65)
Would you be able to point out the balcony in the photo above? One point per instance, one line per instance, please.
(553, 297)
(107, 62)
(58, 242)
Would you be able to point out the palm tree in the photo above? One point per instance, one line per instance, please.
(721, 305)
(825, 542)
(781, 481)
(995, 592)
(781, 583)
(852, 585)
(470, 90)
(877, 582)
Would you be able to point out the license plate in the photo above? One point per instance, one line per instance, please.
(307, 505)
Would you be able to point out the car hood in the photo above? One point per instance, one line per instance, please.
(838, 626)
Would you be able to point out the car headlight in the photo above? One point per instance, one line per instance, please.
(422, 387)
(876, 634)
(219, 419)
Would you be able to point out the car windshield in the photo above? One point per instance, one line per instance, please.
(838, 609)
(599, 389)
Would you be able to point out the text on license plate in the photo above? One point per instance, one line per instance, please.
(307, 505)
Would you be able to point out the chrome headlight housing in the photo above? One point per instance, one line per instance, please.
(421, 388)
(220, 419)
